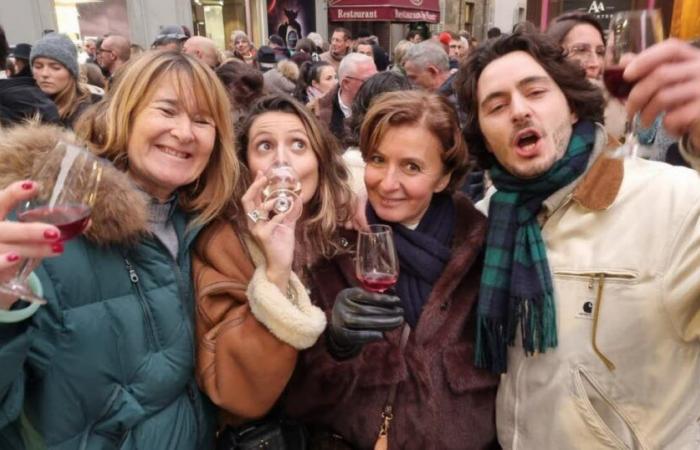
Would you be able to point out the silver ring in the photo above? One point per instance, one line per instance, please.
(256, 215)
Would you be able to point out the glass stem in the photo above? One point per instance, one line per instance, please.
(24, 271)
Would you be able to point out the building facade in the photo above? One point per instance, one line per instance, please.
(141, 20)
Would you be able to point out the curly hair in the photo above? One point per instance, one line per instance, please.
(584, 98)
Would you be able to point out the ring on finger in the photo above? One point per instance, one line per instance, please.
(255, 215)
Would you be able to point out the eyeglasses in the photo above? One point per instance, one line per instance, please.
(361, 80)
(585, 51)
(104, 50)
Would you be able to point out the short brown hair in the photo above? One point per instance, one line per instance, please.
(106, 127)
(332, 204)
(585, 99)
(432, 111)
(345, 31)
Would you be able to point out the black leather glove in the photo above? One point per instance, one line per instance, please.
(360, 317)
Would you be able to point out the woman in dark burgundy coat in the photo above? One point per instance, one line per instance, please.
(415, 161)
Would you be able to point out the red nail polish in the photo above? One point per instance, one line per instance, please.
(12, 257)
(57, 247)
(51, 234)
(27, 185)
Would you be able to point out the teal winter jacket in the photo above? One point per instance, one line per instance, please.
(108, 362)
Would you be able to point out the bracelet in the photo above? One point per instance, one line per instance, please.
(19, 315)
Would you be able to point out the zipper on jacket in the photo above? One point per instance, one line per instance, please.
(189, 389)
(151, 332)
(618, 424)
(600, 278)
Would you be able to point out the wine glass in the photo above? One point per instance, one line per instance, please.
(67, 185)
(376, 262)
(631, 32)
(283, 188)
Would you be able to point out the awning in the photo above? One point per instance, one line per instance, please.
(383, 11)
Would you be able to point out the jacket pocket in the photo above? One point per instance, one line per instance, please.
(606, 420)
(461, 374)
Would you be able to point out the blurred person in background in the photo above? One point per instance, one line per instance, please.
(170, 37)
(203, 49)
(21, 55)
(113, 53)
(315, 80)
(20, 97)
(243, 48)
(54, 61)
(244, 84)
(336, 105)
(341, 41)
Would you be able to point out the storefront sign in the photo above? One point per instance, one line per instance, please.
(602, 10)
(388, 10)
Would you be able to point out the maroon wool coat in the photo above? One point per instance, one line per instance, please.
(443, 401)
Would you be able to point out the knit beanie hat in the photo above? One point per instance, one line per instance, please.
(58, 47)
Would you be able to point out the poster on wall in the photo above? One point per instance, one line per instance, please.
(602, 10)
(291, 19)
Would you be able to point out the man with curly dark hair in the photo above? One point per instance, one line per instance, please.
(590, 295)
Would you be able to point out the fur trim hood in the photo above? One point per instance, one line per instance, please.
(120, 213)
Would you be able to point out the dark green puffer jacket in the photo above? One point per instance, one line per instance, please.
(108, 363)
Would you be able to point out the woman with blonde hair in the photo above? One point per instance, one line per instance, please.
(54, 62)
(108, 362)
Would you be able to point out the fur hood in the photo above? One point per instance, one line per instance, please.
(120, 213)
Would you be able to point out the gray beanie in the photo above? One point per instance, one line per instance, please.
(58, 47)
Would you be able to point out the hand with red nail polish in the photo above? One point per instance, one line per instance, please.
(23, 240)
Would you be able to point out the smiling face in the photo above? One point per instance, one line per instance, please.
(339, 44)
(51, 76)
(327, 79)
(171, 140)
(281, 136)
(241, 45)
(404, 172)
(524, 116)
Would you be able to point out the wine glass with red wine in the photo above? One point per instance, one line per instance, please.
(67, 185)
(376, 262)
(631, 32)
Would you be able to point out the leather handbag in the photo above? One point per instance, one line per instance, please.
(270, 433)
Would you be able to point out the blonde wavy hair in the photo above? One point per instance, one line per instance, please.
(107, 126)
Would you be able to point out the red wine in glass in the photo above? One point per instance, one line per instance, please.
(70, 219)
(616, 85)
(377, 281)
(376, 261)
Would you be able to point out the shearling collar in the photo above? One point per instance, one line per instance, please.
(598, 187)
(120, 213)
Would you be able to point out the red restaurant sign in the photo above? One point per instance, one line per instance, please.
(390, 10)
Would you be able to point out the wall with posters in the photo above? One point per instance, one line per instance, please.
(290, 19)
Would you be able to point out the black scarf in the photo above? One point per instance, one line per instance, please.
(423, 253)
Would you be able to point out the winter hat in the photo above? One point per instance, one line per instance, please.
(266, 58)
(22, 51)
(58, 47)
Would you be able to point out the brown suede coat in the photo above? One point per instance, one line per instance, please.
(443, 401)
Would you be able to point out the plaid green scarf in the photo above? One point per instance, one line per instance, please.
(516, 284)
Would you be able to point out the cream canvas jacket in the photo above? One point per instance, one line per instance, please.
(623, 244)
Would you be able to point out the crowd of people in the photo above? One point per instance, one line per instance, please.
(546, 299)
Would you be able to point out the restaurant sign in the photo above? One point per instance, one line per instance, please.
(382, 13)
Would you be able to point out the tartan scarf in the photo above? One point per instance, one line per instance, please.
(516, 284)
